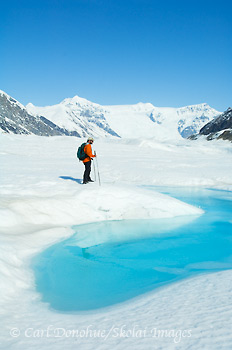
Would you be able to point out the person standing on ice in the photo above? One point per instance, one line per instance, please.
(87, 160)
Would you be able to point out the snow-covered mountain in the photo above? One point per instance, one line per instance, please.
(127, 121)
(15, 119)
(79, 117)
(79, 114)
(146, 120)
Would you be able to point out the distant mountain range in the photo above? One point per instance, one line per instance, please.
(79, 117)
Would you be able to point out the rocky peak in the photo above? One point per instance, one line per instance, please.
(15, 119)
(222, 122)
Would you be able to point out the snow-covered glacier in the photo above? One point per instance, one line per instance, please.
(42, 198)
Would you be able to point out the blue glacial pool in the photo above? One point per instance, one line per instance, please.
(109, 262)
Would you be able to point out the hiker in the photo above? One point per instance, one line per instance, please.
(87, 160)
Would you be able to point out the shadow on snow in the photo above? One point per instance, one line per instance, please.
(79, 181)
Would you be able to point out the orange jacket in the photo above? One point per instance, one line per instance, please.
(88, 151)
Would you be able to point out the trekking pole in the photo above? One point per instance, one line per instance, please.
(94, 170)
(98, 170)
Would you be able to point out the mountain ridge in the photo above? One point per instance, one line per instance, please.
(129, 121)
(80, 117)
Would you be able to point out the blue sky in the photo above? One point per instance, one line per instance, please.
(170, 53)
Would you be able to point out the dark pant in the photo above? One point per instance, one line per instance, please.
(86, 176)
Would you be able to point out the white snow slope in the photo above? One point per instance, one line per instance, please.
(130, 121)
(41, 198)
